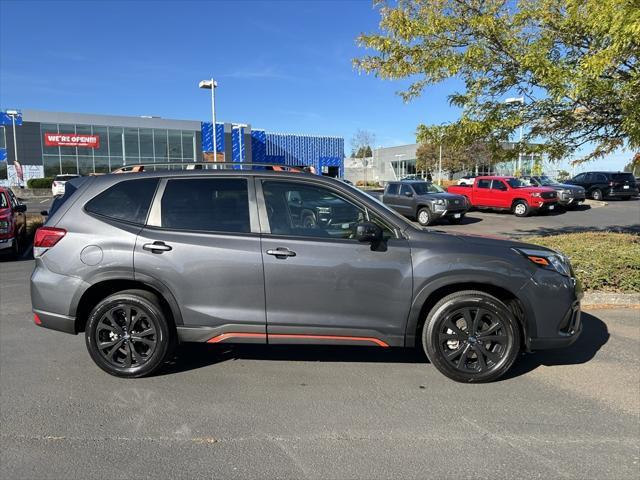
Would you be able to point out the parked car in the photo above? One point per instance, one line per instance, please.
(412, 176)
(13, 224)
(59, 181)
(141, 262)
(424, 201)
(601, 185)
(568, 195)
(466, 180)
(507, 193)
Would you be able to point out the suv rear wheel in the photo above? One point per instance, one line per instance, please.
(128, 335)
(596, 194)
(471, 336)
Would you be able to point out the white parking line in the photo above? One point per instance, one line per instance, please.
(44, 201)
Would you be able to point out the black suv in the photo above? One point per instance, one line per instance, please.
(601, 185)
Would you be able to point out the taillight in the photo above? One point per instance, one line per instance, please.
(611, 184)
(45, 238)
(36, 319)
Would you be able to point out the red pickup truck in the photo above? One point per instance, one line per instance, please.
(507, 193)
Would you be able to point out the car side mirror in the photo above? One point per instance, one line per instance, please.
(21, 208)
(408, 194)
(369, 232)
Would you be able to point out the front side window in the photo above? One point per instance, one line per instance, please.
(392, 189)
(298, 209)
(406, 190)
(206, 204)
(484, 183)
(128, 200)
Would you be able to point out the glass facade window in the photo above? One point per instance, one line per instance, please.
(160, 145)
(118, 146)
(3, 138)
(175, 145)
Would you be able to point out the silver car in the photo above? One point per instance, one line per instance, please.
(141, 262)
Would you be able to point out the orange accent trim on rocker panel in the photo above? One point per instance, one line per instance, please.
(378, 342)
(225, 336)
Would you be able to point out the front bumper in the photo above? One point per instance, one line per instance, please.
(544, 206)
(441, 211)
(552, 310)
(570, 199)
(6, 243)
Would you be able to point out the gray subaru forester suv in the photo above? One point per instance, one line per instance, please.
(140, 262)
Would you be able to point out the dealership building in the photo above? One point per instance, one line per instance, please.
(52, 143)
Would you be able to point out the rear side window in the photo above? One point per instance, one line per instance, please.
(206, 204)
(484, 183)
(128, 201)
(405, 190)
(623, 177)
(69, 189)
(392, 189)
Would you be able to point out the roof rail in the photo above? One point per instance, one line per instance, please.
(140, 167)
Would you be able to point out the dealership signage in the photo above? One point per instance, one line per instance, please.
(71, 140)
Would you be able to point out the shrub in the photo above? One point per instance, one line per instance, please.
(40, 182)
(604, 261)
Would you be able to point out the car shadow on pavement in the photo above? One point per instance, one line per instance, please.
(198, 355)
(544, 231)
(594, 335)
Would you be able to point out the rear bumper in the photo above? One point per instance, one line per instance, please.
(55, 321)
(632, 192)
(6, 243)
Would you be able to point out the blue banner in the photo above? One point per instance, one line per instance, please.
(5, 119)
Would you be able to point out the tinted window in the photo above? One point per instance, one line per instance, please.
(484, 183)
(623, 177)
(405, 189)
(300, 209)
(3, 200)
(513, 183)
(392, 189)
(128, 200)
(208, 204)
(499, 185)
(423, 188)
(600, 178)
(69, 189)
(580, 178)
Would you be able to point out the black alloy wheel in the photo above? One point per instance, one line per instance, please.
(471, 336)
(128, 335)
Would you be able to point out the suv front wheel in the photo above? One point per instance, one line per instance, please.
(471, 336)
(128, 335)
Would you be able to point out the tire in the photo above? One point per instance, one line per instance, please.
(424, 217)
(129, 355)
(521, 209)
(462, 356)
(596, 194)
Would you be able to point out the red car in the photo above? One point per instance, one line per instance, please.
(13, 224)
(507, 193)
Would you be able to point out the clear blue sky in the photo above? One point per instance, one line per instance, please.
(281, 65)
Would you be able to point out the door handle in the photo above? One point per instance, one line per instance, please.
(156, 247)
(281, 253)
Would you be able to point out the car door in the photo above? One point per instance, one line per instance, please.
(406, 199)
(391, 196)
(500, 195)
(321, 284)
(19, 216)
(482, 192)
(202, 242)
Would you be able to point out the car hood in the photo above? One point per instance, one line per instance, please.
(566, 186)
(444, 196)
(530, 190)
(486, 241)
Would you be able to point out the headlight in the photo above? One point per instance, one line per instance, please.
(536, 194)
(440, 202)
(548, 259)
(4, 226)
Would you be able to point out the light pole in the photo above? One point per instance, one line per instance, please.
(212, 84)
(13, 114)
(400, 164)
(510, 101)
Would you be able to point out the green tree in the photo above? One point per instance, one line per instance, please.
(574, 62)
(634, 165)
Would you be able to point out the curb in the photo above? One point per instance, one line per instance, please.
(631, 300)
(595, 203)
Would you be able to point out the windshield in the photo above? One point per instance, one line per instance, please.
(515, 183)
(623, 177)
(544, 180)
(426, 187)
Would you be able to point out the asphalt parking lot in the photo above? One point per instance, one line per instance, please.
(311, 412)
(616, 215)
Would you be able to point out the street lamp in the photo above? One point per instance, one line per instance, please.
(13, 114)
(211, 85)
(511, 101)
